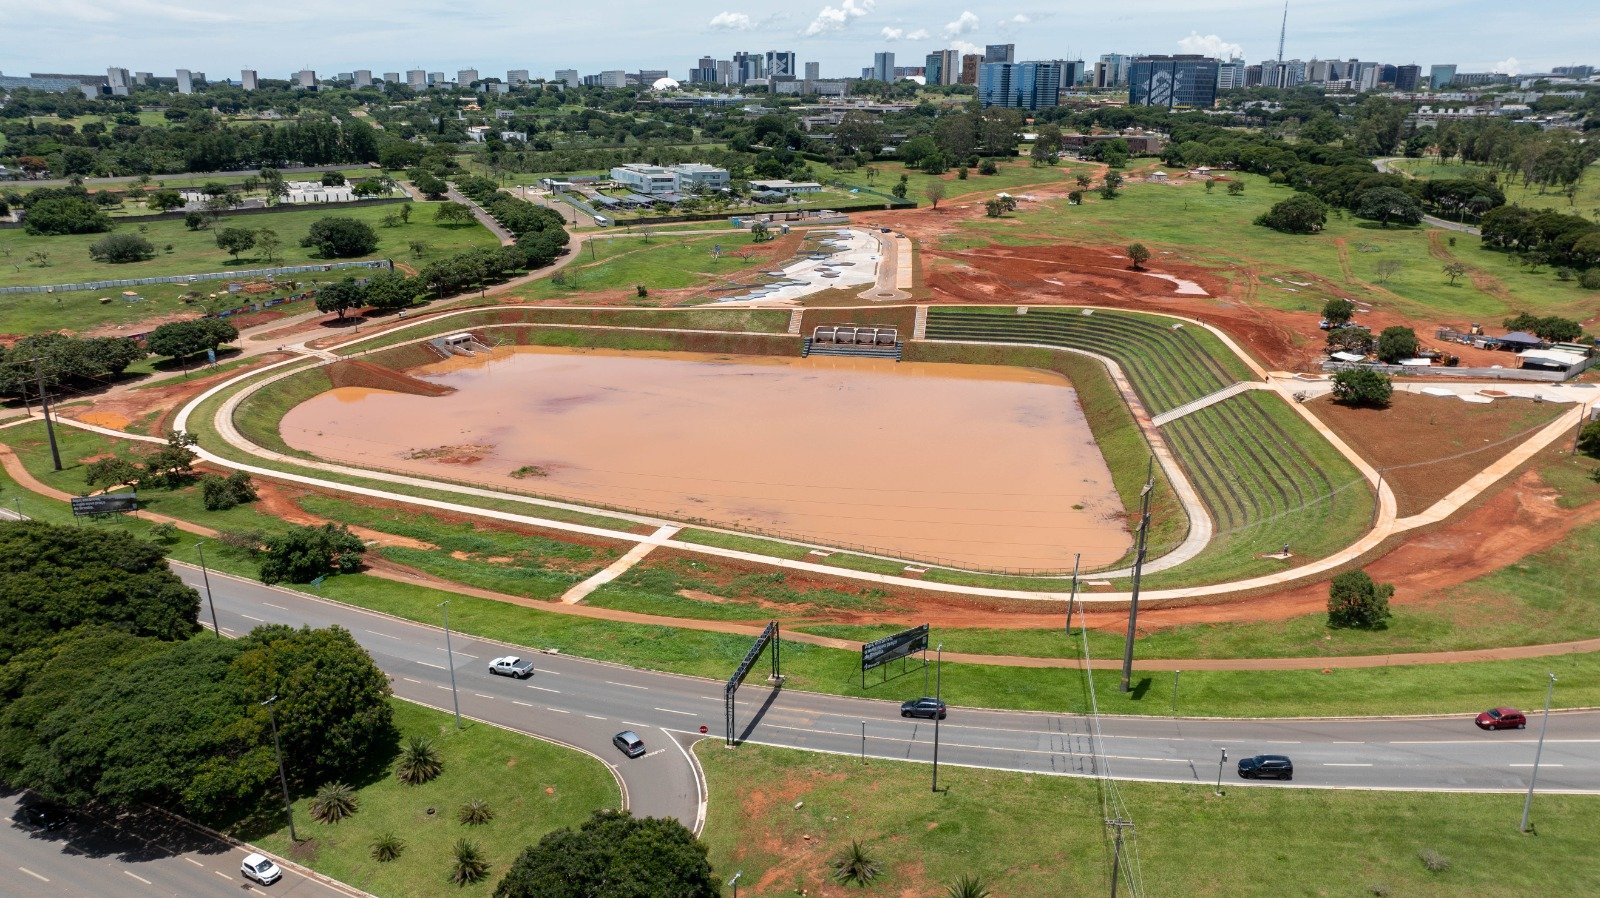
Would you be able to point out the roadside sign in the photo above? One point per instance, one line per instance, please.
(109, 503)
(889, 648)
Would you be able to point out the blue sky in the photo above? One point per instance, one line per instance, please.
(492, 35)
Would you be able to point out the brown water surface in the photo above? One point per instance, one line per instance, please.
(971, 465)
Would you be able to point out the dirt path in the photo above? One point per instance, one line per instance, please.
(1344, 259)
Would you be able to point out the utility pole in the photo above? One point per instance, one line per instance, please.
(1527, 804)
(1138, 571)
(1221, 762)
(450, 658)
(1116, 857)
(1071, 599)
(283, 778)
(938, 709)
(44, 402)
(206, 578)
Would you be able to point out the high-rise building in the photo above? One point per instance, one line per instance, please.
(813, 71)
(1366, 75)
(725, 72)
(1324, 70)
(1184, 80)
(704, 72)
(305, 79)
(569, 77)
(1389, 74)
(417, 79)
(119, 81)
(517, 77)
(1020, 85)
(1230, 75)
(1000, 53)
(437, 79)
(361, 78)
(1440, 76)
(143, 78)
(949, 67)
(613, 78)
(969, 68)
(933, 69)
(883, 67)
(748, 67)
(465, 77)
(391, 77)
(1116, 71)
(185, 81)
(782, 64)
(249, 80)
(1072, 73)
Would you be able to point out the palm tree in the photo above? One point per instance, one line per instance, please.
(387, 848)
(469, 865)
(334, 802)
(968, 885)
(854, 865)
(419, 762)
(475, 812)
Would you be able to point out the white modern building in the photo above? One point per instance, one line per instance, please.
(361, 78)
(305, 79)
(416, 79)
(248, 79)
(655, 180)
(786, 187)
(185, 81)
(614, 78)
(465, 77)
(120, 82)
(568, 77)
(517, 76)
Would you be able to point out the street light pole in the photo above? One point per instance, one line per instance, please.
(734, 883)
(938, 699)
(450, 657)
(1527, 804)
(205, 577)
(1221, 762)
(283, 778)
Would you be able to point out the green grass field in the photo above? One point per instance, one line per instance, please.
(532, 787)
(1585, 202)
(1010, 175)
(1044, 837)
(660, 263)
(1214, 230)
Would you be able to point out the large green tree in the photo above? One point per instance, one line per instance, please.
(1389, 204)
(341, 296)
(1396, 343)
(181, 339)
(1354, 601)
(336, 237)
(1299, 214)
(303, 554)
(613, 855)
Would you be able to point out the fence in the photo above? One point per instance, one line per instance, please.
(249, 210)
(240, 274)
(1527, 374)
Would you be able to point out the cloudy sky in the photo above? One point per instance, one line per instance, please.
(493, 35)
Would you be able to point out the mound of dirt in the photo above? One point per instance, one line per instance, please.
(359, 373)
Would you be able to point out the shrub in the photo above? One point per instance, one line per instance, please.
(468, 864)
(1433, 860)
(1139, 254)
(1362, 386)
(855, 865)
(419, 762)
(1589, 439)
(223, 493)
(1299, 214)
(65, 215)
(118, 249)
(387, 847)
(475, 812)
(303, 554)
(1355, 602)
(335, 237)
(333, 802)
(1235, 188)
(987, 167)
(1396, 343)
(1590, 280)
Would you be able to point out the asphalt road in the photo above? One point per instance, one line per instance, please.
(584, 702)
(132, 855)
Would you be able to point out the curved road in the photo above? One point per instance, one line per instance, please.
(583, 702)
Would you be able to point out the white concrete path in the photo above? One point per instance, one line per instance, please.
(635, 555)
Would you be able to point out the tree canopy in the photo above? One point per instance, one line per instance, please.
(303, 554)
(1396, 343)
(613, 855)
(180, 339)
(1362, 386)
(1299, 214)
(1355, 601)
(336, 237)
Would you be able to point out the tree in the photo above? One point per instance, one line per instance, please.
(111, 471)
(341, 238)
(1589, 439)
(1386, 204)
(1083, 180)
(1396, 343)
(934, 192)
(1075, 198)
(391, 290)
(994, 208)
(1387, 268)
(236, 240)
(431, 186)
(653, 856)
(333, 802)
(1235, 188)
(268, 241)
(899, 189)
(760, 233)
(449, 212)
(1355, 602)
(303, 554)
(1299, 214)
(194, 221)
(419, 762)
(332, 179)
(1109, 185)
(341, 296)
(180, 339)
(1338, 312)
(468, 865)
(1362, 386)
(118, 249)
(223, 493)
(65, 215)
(1358, 340)
(165, 200)
(173, 463)
(855, 865)
(987, 167)
(1139, 254)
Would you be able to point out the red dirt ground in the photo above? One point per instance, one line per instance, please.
(123, 407)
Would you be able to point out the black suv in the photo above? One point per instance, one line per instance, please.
(923, 707)
(1266, 767)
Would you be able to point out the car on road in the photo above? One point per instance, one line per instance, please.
(1266, 767)
(629, 743)
(512, 666)
(261, 869)
(1502, 719)
(923, 707)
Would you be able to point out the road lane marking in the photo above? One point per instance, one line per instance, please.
(594, 717)
(409, 680)
(270, 605)
(384, 635)
(481, 695)
(230, 878)
(1343, 764)
(684, 713)
(195, 862)
(651, 754)
(33, 874)
(544, 689)
(562, 711)
(445, 688)
(629, 723)
(523, 704)
(246, 617)
(626, 685)
(1541, 765)
(140, 878)
(1347, 743)
(431, 664)
(1029, 751)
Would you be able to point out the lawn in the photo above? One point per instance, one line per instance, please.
(197, 251)
(658, 262)
(1009, 175)
(780, 816)
(532, 786)
(1585, 202)
(1214, 229)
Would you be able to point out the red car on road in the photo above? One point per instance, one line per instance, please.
(1502, 719)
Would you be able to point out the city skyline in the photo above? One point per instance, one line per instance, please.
(842, 35)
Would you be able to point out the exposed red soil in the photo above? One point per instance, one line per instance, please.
(361, 373)
(121, 408)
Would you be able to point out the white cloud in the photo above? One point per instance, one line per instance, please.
(731, 21)
(966, 23)
(893, 34)
(833, 18)
(1508, 66)
(964, 47)
(921, 34)
(1210, 45)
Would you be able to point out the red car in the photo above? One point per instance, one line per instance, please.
(1502, 719)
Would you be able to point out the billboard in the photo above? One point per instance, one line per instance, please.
(109, 503)
(889, 648)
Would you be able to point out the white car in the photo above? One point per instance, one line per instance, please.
(512, 666)
(261, 869)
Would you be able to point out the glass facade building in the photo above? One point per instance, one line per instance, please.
(1173, 81)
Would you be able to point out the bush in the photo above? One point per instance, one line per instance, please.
(1362, 386)
(987, 167)
(1299, 214)
(1589, 439)
(1433, 860)
(223, 493)
(1355, 602)
(1590, 280)
(118, 249)
(419, 762)
(303, 554)
(1396, 343)
(468, 865)
(341, 238)
(333, 802)
(387, 847)
(475, 812)
(65, 215)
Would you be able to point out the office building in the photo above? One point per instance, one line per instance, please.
(186, 81)
(1000, 53)
(969, 68)
(1116, 70)
(437, 79)
(942, 67)
(517, 77)
(119, 81)
(883, 67)
(1365, 76)
(416, 79)
(1072, 73)
(748, 67)
(391, 77)
(465, 77)
(1231, 75)
(813, 71)
(613, 78)
(1573, 71)
(361, 78)
(933, 69)
(704, 72)
(249, 80)
(568, 77)
(782, 64)
(1183, 80)
(1022, 85)
(655, 180)
(143, 78)
(305, 79)
(725, 72)
(1440, 76)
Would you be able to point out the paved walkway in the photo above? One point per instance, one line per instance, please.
(617, 568)
(1204, 401)
(1384, 166)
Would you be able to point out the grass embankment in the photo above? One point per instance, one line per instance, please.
(762, 321)
(1011, 830)
(1008, 176)
(1442, 688)
(1215, 230)
(1584, 201)
(258, 415)
(665, 262)
(532, 787)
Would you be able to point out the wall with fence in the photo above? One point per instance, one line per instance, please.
(253, 210)
(237, 274)
(1521, 374)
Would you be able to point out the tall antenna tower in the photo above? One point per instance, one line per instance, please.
(1283, 30)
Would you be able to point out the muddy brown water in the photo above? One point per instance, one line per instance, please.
(970, 465)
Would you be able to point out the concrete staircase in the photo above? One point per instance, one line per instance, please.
(849, 349)
(795, 318)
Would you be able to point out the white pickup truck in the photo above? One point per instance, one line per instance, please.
(512, 666)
